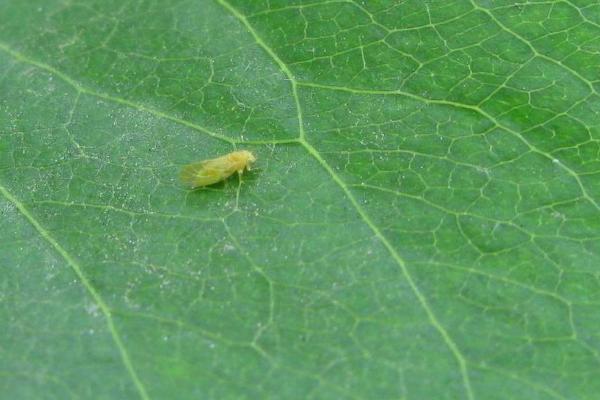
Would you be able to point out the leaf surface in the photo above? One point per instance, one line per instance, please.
(423, 221)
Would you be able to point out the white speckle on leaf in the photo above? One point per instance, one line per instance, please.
(228, 247)
(92, 309)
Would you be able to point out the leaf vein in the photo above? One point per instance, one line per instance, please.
(519, 136)
(88, 287)
(140, 107)
(364, 216)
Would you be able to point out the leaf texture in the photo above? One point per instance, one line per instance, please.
(423, 221)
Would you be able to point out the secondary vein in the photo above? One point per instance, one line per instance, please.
(362, 213)
(88, 287)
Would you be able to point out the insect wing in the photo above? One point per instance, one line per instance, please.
(196, 174)
(204, 173)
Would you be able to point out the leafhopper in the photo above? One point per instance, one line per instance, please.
(208, 172)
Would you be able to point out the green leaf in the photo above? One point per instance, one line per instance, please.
(423, 221)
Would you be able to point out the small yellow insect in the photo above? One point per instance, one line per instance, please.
(207, 172)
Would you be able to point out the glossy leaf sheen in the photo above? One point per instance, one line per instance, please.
(423, 221)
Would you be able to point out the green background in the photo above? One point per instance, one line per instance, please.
(423, 222)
